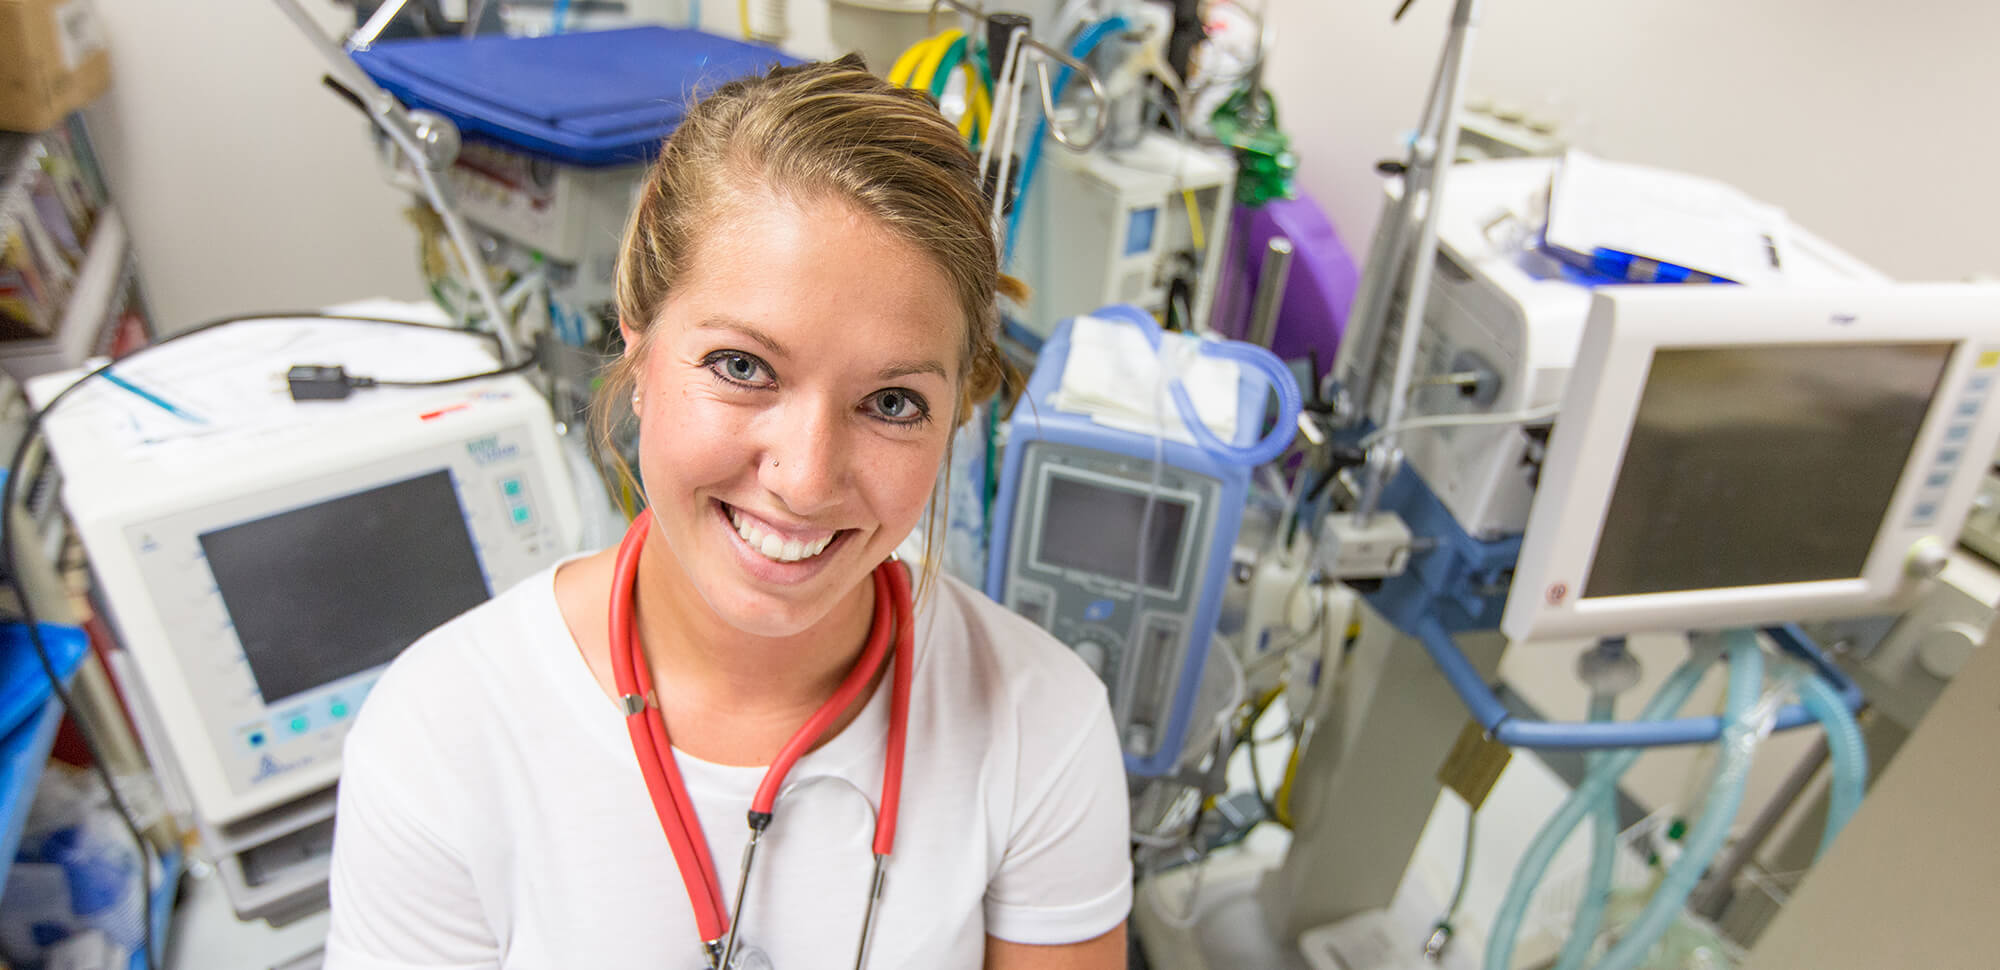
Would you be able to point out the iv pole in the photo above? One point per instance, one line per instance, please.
(428, 139)
(1394, 253)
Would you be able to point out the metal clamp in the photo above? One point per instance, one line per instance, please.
(1044, 53)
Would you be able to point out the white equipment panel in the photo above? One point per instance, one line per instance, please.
(261, 573)
(1109, 227)
(1501, 308)
(1734, 456)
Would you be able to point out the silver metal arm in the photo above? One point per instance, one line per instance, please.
(974, 10)
(430, 141)
(1431, 154)
(364, 37)
(1044, 53)
(474, 13)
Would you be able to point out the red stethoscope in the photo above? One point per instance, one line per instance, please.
(893, 617)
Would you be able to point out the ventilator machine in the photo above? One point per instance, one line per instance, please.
(262, 560)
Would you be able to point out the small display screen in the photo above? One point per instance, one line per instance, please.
(332, 589)
(1750, 466)
(1095, 528)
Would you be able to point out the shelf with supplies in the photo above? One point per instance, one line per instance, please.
(69, 291)
(69, 288)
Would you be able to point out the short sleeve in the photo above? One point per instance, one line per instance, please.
(402, 897)
(1066, 876)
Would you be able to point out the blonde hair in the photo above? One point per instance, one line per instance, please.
(827, 130)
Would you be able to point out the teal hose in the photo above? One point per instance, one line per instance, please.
(1844, 747)
(1603, 857)
(1610, 766)
(1725, 797)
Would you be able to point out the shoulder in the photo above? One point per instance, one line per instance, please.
(1013, 661)
(443, 688)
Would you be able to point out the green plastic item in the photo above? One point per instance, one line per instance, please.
(1264, 159)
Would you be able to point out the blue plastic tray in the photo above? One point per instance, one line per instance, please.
(30, 716)
(23, 684)
(593, 99)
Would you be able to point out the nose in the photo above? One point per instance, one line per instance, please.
(804, 458)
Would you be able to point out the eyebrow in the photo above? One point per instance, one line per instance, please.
(904, 368)
(739, 326)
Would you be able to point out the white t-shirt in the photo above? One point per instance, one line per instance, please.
(492, 813)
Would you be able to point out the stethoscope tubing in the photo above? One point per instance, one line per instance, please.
(894, 619)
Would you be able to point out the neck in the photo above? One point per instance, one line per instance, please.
(701, 660)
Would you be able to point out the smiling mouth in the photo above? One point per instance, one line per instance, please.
(775, 547)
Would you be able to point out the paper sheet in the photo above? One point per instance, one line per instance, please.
(1670, 217)
(1114, 377)
(231, 381)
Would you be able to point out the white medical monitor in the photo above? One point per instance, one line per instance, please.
(1731, 456)
(260, 578)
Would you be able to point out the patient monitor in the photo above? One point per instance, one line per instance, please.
(1730, 456)
(263, 560)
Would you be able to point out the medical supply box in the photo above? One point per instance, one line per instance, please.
(52, 61)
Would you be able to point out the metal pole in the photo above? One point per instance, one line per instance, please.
(1712, 896)
(1388, 254)
(430, 141)
(364, 37)
(1443, 144)
(475, 13)
(1271, 280)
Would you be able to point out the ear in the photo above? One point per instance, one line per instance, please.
(631, 335)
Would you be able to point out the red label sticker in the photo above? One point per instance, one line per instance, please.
(1557, 593)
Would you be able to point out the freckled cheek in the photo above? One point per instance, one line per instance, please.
(689, 439)
(902, 483)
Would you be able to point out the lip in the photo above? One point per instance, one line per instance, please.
(770, 571)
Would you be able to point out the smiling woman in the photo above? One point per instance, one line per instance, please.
(807, 295)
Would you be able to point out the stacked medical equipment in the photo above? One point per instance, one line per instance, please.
(1127, 467)
(1144, 225)
(262, 559)
(1501, 328)
(1593, 459)
(558, 131)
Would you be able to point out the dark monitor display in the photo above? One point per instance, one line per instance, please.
(1751, 466)
(322, 592)
(1095, 528)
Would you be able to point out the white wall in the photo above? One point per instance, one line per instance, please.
(247, 185)
(1869, 122)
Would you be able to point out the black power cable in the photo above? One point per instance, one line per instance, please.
(10, 562)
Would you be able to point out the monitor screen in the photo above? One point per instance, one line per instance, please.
(1751, 466)
(1095, 528)
(333, 589)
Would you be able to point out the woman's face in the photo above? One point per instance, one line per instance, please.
(795, 399)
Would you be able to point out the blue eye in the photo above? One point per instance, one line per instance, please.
(898, 406)
(738, 367)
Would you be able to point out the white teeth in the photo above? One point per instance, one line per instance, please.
(773, 547)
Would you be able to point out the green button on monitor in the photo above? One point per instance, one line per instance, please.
(299, 724)
(511, 486)
(520, 514)
(338, 710)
